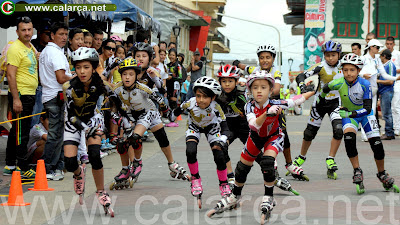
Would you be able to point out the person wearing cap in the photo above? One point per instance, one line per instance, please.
(385, 92)
(195, 72)
(371, 70)
(396, 93)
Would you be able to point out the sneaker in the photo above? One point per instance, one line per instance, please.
(58, 175)
(103, 154)
(384, 137)
(397, 132)
(51, 175)
(85, 159)
(8, 172)
(29, 174)
(172, 124)
(103, 145)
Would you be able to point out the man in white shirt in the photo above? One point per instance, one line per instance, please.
(396, 94)
(54, 72)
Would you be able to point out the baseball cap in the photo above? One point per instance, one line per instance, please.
(373, 42)
(196, 52)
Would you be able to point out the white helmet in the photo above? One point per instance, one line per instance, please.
(266, 48)
(353, 59)
(85, 54)
(260, 75)
(208, 83)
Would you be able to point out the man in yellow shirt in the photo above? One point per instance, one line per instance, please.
(22, 79)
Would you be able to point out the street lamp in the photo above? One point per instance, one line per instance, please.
(290, 61)
(206, 50)
(176, 29)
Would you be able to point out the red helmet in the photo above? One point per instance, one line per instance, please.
(228, 71)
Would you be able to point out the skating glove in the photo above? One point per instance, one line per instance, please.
(345, 113)
(306, 88)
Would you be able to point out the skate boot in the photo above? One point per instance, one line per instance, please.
(105, 201)
(178, 172)
(285, 185)
(228, 202)
(137, 169)
(332, 167)
(267, 205)
(122, 180)
(231, 182)
(79, 184)
(197, 190)
(387, 182)
(224, 189)
(296, 171)
(358, 180)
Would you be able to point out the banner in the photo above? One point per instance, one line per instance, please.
(314, 34)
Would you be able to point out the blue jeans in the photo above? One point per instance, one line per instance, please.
(386, 108)
(190, 93)
(38, 107)
(53, 154)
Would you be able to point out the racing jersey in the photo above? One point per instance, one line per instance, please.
(138, 100)
(325, 73)
(203, 117)
(83, 105)
(233, 106)
(147, 80)
(271, 124)
(353, 96)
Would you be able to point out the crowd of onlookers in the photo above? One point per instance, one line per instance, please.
(37, 68)
(386, 93)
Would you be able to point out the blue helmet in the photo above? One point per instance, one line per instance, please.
(332, 46)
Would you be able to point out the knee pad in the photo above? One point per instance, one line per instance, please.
(310, 132)
(377, 148)
(122, 147)
(219, 159)
(226, 155)
(241, 172)
(162, 138)
(337, 129)
(267, 168)
(191, 151)
(173, 104)
(94, 156)
(350, 144)
(71, 163)
(135, 141)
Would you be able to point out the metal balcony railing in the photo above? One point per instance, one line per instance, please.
(220, 37)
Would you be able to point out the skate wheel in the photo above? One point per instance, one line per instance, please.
(396, 188)
(287, 173)
(264, 218)
(111, 186)
(294, 191)
(305, 177)
(199, 203)
(131, 183)
(173, 174)
(111, 212)
(81, 199)
(211, 213)
(360, 189)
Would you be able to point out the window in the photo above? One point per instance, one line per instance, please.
(388, 18)
(388, 29)
(347, 18)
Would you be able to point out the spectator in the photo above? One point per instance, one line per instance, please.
(108, 50)
(369, 37)
(396, 93)
(22, 79)
(163, 45)
(54, 71)
(184, 89)
(142, 37)
(171, 45)
(97, 40)
(76, 40)
(40, 43)
(356, 48)
(242, 84)
(195, 72)
(88, 38)
(292, 83)
(173, 82)
(117, 39)
(129, 42)
(37, 139)
(370, 71)
(385, 91)
(181, 60)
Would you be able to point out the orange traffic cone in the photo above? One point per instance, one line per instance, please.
(15, 195)
(40, 178)
(179, 118)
